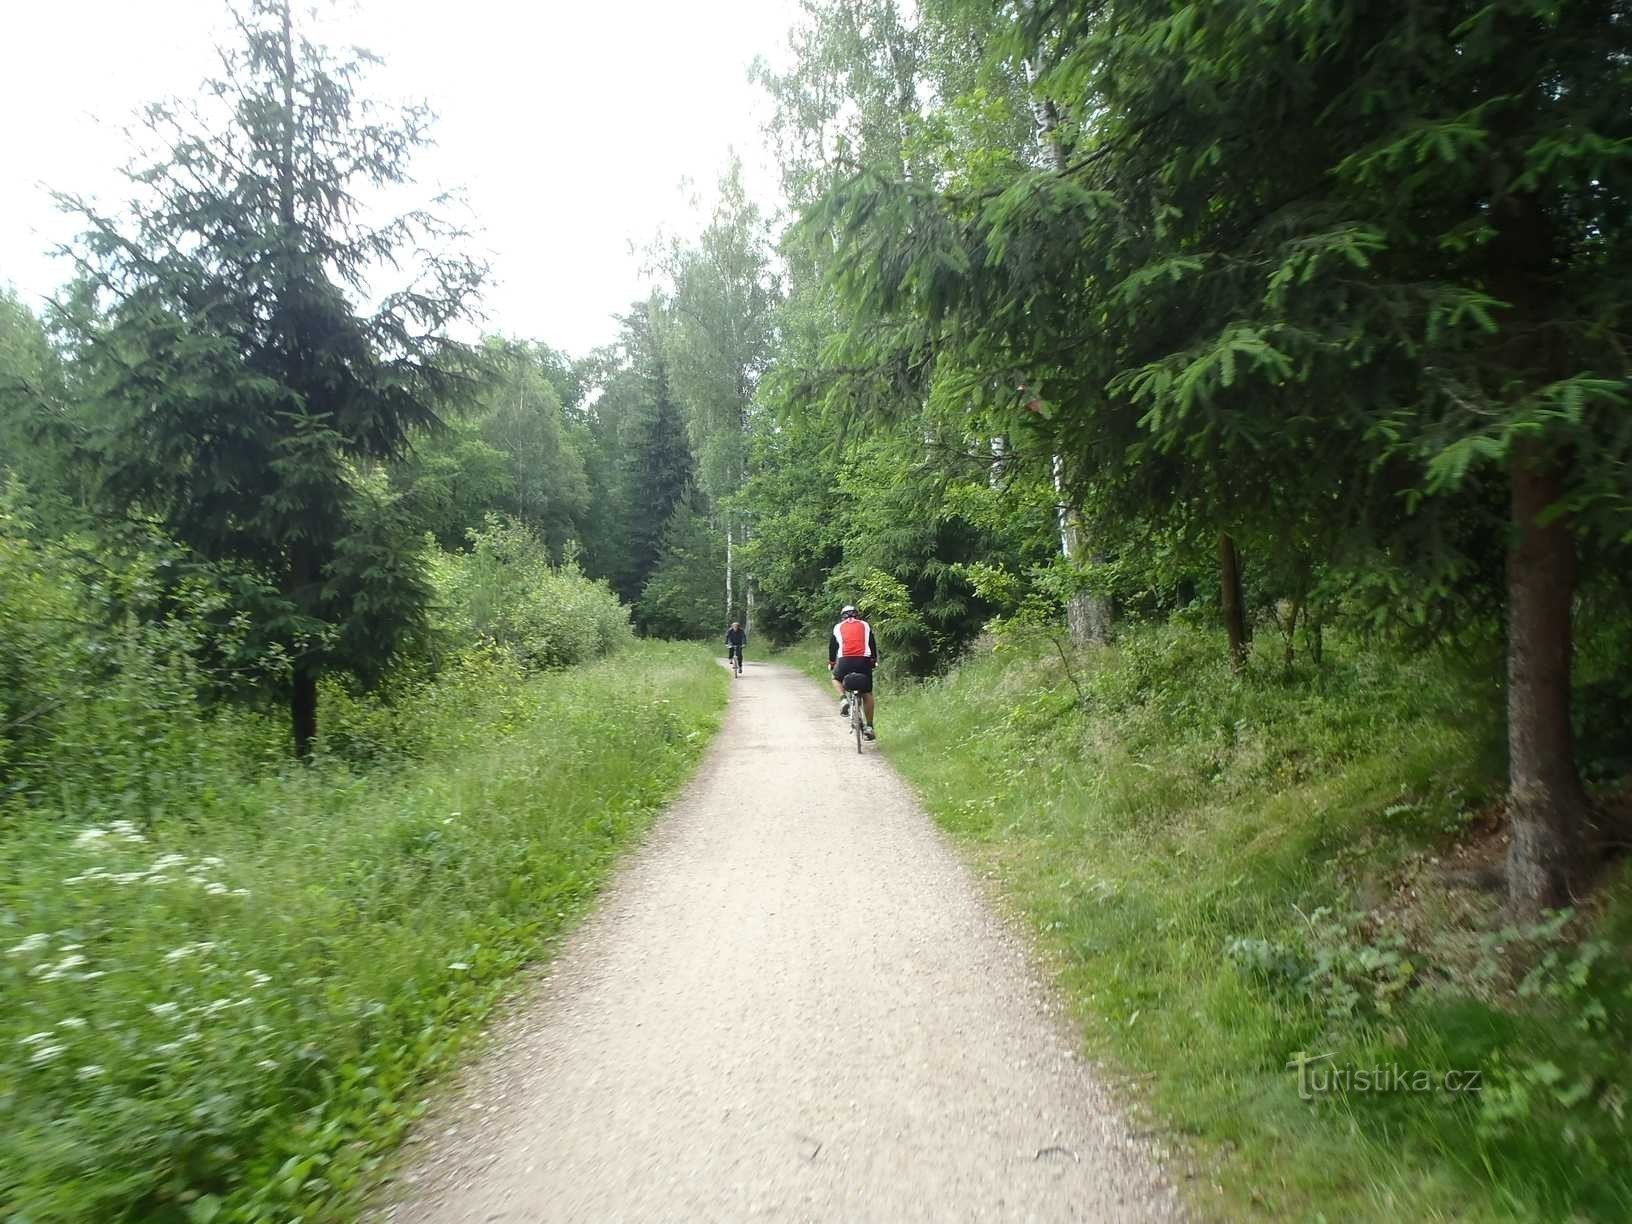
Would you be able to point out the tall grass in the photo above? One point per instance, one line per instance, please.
(1232, 874)
(225, 1006)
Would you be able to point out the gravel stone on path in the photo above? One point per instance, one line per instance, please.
(794, 1002)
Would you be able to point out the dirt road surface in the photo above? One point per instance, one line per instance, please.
(794, 1003)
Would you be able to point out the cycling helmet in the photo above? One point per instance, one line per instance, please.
(848, 610)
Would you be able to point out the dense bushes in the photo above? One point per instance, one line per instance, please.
(126, 686)
(108, 670)
(504, 591)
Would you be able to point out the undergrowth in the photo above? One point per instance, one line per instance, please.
(227, 1009)
(1239, 880)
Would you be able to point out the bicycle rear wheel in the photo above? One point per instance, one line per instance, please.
(856, 719)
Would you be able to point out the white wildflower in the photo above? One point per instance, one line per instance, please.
(45, 1054)
(267, 1064)
(34, 1038)
(61, 968)
(258, 978)
(213, 861)
(163, 1010)
(161, 879)
(215, 890)
(125, 830)
(127, 877)
(240, 892)
(90, 836)
(167, 1048)
(189, 949)
(459, 965)
(90, 1071)
(32, 944)
(166, 861)
(72, 1022)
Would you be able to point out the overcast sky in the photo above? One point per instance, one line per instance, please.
(569, 124)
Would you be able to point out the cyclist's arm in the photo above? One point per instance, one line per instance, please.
(832, 648)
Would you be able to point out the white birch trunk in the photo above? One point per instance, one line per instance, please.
(747, 589)
(728, 561)
(1088, 616)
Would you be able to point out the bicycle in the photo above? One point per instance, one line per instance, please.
(858, 716)
(733, 656)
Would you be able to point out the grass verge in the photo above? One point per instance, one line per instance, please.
(234, 1018)
(1236, 876)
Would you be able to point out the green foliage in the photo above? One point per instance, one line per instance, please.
(716, 332)
(505, 592)
(452, 479)
(108, 663)
(206, 1020)
(234, 390)
(1335, 964)
(683, 597)
(638, 458)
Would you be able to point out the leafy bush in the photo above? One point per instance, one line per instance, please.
(506, 592)
(105, 667)
(1349, 974)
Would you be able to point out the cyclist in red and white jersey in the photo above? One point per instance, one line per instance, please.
(853, 649)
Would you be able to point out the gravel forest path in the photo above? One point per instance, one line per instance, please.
(793, 1003)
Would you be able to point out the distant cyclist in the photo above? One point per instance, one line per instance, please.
(736, 638)
(853, 649)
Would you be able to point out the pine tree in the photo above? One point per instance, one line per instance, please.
(663, 478)
(241, 393)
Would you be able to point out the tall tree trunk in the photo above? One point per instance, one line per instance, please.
(728, 559)
(302, 586)
(1547, 805)
(303, 710)
(1235, 618)
(303, 681)
(747, 589)
(1088, 615)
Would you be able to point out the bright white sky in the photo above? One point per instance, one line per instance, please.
(569, 124)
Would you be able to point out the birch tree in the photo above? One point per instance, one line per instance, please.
(717, 335)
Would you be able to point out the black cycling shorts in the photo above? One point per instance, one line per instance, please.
(859, 667)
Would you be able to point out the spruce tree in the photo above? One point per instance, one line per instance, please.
(241, 390)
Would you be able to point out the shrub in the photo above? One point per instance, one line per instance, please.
(506, 592)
